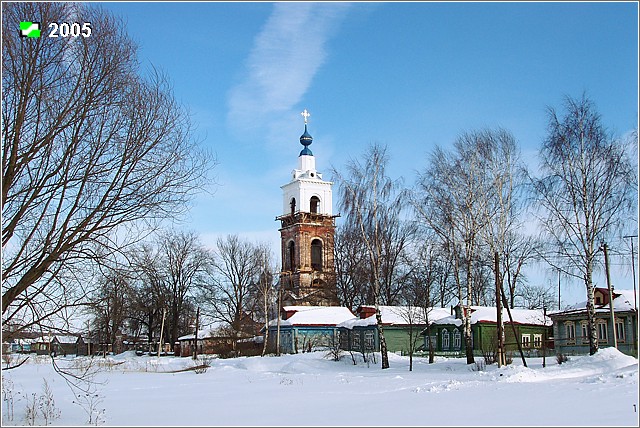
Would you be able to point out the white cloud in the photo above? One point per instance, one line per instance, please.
(286, 55)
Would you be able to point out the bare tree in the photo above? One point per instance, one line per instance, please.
(451, 200)
(369, 198)
(110, 307)
(351, 267)
(265, 290)
(231, 291)
(585, 192)
(186, 264)
(91, 145)
(149, 297)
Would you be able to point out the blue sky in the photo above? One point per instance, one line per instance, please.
(409, 75)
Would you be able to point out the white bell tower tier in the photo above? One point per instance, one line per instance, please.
(307, 233)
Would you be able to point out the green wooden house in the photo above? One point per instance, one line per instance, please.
(529, 327)
(570, 326)
(402, 327)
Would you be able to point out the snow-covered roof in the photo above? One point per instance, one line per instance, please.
(67, 338)
(490, 314)
(624, 301)
(398, 315)
(315, 316)
(202, 334)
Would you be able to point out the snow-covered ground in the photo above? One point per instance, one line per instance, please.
(309, 389)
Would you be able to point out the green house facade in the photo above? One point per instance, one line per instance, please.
(402, 327)
(530, 328)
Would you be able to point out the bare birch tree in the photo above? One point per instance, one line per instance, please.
(585, 191)
(450, 199)
(367, 195)
(91, 146)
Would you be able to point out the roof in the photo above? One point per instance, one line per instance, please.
(398, 315)
(490, 314)
(624, 300)
(314, 316)
(66, 339)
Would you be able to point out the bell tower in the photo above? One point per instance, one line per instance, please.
(307, 228)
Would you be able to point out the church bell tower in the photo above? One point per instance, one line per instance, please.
(307, 228)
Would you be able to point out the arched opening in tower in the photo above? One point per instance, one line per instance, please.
(314, 204)
(316, 255)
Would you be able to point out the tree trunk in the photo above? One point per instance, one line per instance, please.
(383, 342)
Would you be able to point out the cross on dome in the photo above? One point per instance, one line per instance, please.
(305, 114)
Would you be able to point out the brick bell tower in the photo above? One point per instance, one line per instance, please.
(307, 232)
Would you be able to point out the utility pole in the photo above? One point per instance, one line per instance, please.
(544, 336)
(278, 315)
(558, 289)
(195, 336)
(613, 319)
(500, 332)
(164, 313)
(633, 270)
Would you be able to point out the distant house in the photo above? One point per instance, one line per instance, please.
(401, 325)
(208, 342)
(59, 345)
(531, 329)
(570, 326)
(307, 328)
(217, 340)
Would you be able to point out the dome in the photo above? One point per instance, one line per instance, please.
(306, 139)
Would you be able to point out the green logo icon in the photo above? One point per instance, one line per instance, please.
(29, 29)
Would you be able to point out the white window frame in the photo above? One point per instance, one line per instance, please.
(356, 340)
(570, 331)
(446, 343)
(603, 334)
(537, 340)
(585, 331)
(620, 332)
(457, 339)
(368, 340)
(526, 341)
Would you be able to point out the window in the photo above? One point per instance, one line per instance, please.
(293, 205)
(368, 340)
(602, 331)
(356, 340)
(526, 340)
(430, 341)
(445, 339)
(316, 254)
(620, 330)
(570, 332)
(537, 340)
(313, 204)
(457, 342)
(291, 252)
(585, 331)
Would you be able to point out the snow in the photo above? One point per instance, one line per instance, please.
(626, 301)
(489, 314)
(398, 315)
(315, 316)
(312, 390)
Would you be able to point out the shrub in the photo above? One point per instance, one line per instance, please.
(561, 358)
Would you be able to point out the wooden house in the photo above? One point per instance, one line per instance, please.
(59, 345)
(307, 328)
(402, 328)
(570, 326)
(529, 327)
